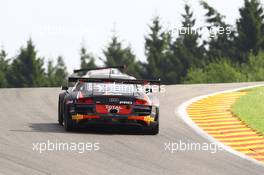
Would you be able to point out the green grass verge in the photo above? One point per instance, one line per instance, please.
(250, 109)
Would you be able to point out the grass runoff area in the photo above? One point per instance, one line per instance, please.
(250, 108)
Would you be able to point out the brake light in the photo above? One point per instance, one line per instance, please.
(141, 102)
(84, 101)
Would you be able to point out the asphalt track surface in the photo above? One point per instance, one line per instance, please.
(29, 116)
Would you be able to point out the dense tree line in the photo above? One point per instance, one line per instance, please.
(216, 52)
(27, 69)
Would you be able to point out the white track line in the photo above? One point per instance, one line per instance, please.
(182, 112)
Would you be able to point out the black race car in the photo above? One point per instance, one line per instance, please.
(108, 96)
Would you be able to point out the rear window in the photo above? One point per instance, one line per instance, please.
(106, 87)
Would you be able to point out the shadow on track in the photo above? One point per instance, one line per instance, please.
(89, 129)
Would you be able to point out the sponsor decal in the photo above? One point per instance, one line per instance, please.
(113, 107)
(113, 100)
(126, 102)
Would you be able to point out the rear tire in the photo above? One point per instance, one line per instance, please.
(153, 129)
(69, 124)
(60, 118)
(60, 113)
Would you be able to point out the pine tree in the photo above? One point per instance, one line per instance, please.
(220, 44)
(87, 59)
(51, 82)
(3, 68)
(57, 75)
(27, 69)
(162, 62)
(250, 28)
(116, 54)
(186, 47)
(213, 17)
(60, 71)
(156, 46)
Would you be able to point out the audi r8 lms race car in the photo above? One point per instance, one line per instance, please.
(108, 96)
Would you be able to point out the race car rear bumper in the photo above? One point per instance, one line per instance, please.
(102, 118)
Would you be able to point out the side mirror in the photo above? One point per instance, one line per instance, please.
(65, 88)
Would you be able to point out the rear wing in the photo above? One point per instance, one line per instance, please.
(99, 68)
(143, 82)
(116, 80)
